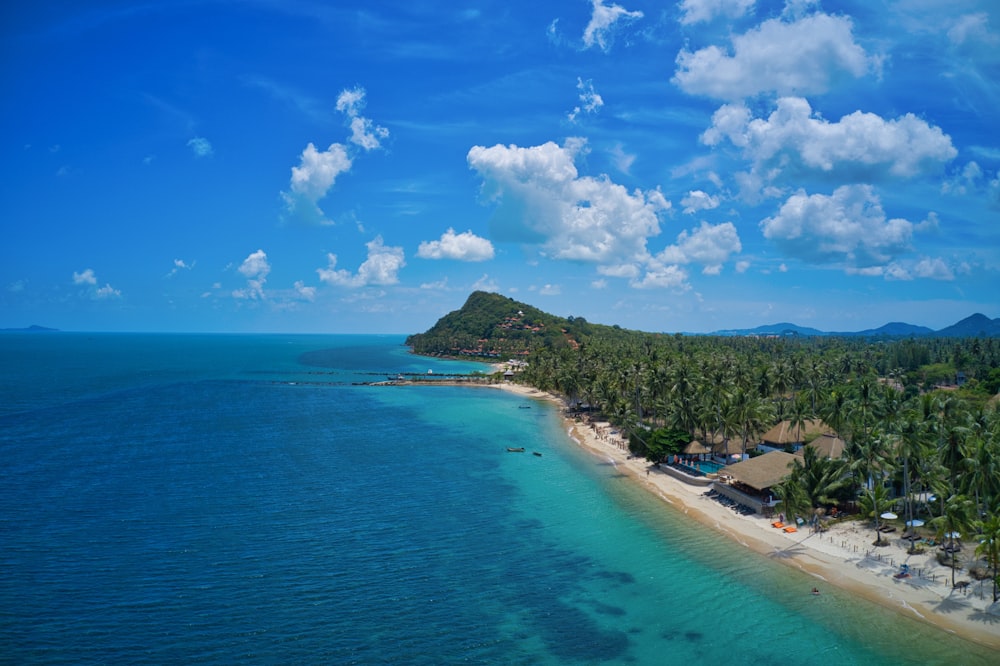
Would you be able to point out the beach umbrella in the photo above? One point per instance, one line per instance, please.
(915, 523)
(889, 515)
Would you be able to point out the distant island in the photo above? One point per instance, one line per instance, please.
(34, 328)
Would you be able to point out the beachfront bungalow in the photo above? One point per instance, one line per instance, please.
(750, 481)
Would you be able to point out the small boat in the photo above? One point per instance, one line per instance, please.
(536, 453)
(515, 449)
(524, 406)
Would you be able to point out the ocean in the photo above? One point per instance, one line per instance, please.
(219, 499)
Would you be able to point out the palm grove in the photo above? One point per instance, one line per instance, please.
(906, 440)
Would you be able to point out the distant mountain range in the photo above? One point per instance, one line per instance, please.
(975, 326)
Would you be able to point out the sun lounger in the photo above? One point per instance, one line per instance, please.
(790, 529)
(777, 524)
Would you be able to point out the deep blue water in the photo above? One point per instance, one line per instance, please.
(220, 499)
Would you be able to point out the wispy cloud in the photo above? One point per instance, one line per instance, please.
(200, 147)
(179, 265)
(604, 20)
(590, 101)
(88, 279)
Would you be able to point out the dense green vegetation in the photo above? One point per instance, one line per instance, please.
(907, 436)
(494, 326)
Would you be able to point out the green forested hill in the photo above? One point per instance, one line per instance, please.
(490, 325)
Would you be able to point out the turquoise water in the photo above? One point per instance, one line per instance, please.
(220, 499)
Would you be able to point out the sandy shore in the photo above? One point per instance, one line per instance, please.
(838, 557)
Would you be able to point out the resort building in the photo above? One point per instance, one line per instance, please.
(827, 445)
(749, 483)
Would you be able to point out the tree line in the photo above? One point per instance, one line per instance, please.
(903, 430)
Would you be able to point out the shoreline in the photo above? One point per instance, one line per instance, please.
(836, 558)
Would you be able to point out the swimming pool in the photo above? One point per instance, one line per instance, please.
(701, 467)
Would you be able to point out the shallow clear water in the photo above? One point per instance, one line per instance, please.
(214, 499)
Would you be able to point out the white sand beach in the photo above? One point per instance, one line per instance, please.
(837, 557)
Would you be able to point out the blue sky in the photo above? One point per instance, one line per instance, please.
(307, 166)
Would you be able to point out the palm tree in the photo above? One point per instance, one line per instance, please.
(792, 497)
(957, 517)
(799, 416)
(982, 480)
(870, 501)
(864, 405)
(911, 448)
(952, 434)
(990, 549)
(822, 478)
(683, 393)
(749, 416)
(871, 463)
(835, 411)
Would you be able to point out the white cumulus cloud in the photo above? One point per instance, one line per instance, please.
(659, 276)
(929, 268)
(380, 268)
(86, 277)
(708, 245)
(804, 56)
(465, 246)
(364, 132)
(312, 179)
(543, 200)
(846, 227)
(255, 268)
(697, 200)
(602, 23)
(702, 11)
(933, 268)
(318, 170)
(304, 292)
(859, 144)
(107, 291)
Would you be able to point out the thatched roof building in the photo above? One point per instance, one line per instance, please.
(763, 471)
(827, 445)
(696, 448)
(785, 433)
(732, 446)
